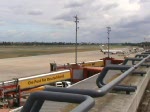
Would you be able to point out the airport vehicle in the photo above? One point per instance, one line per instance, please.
(59, 84)
(63, 84)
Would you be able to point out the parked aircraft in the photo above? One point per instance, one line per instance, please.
(115, 51)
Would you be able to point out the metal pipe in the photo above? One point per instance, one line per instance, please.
(141, 55)
(146, 53)
(36, 100)
(100, 83)
(102, 91)
(131, 59)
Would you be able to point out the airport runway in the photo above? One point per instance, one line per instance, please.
(35, 65)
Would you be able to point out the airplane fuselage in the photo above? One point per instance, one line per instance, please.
(112, 51)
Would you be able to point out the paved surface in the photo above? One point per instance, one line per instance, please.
(34, 65)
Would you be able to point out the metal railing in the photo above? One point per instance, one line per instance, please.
(70, 92)
(100, 83)
(141, 55)
(36, 100)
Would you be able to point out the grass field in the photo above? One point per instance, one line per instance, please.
(22, 51)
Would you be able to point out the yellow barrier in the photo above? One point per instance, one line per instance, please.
(44, 79)
(99, 63)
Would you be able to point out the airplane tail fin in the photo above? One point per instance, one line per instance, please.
(101, 48)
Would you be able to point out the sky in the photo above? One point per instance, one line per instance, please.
(53, 20)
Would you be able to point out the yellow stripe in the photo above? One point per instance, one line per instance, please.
(93, 64)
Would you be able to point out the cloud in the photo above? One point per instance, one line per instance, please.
(74, 4)
(137, 23)
(125, 16)
(110, 6)
(35, 12)
(3, 23)
(53, 20)
(80, 8)
(66, 17)
(144, 1)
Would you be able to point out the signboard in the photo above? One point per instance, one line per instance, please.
(43, 80)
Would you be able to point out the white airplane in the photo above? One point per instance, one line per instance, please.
(117, 51)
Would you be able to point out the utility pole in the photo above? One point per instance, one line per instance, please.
(108, 31)
(76, 21)
(144, 43)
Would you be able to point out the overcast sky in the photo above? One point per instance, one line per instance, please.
(53, 20)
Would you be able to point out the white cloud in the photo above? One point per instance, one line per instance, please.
(35, 12)
(52, 20)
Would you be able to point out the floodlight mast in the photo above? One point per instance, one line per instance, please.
(108, 31)
(76, 21)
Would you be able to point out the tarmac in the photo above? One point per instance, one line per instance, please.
(34, 65)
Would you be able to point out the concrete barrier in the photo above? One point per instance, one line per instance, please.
(139, 93)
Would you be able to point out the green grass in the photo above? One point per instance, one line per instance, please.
(23, 51)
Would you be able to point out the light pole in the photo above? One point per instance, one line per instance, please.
(76, 21)
(108, 31)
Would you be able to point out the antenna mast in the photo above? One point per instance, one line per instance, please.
(76, 21)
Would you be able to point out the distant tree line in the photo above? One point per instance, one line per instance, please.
(67, 43)
(41, 43)
(142, 44)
